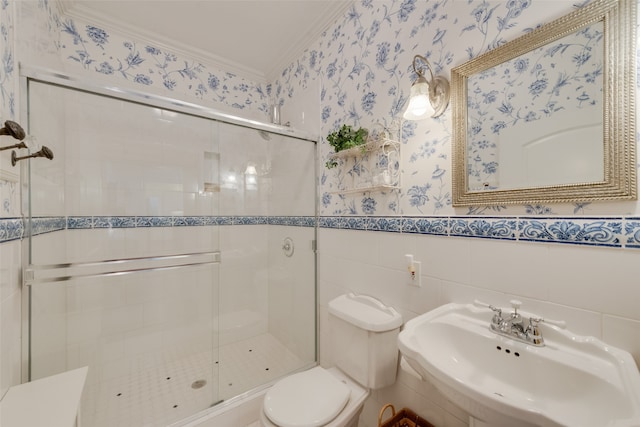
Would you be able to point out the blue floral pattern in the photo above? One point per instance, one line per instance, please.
(98, 51)
(362, 66)
(589, 231)
(369, 51)
(13, 228)
(603, 232)
(531, 88)
(7, 68)
(632, 233)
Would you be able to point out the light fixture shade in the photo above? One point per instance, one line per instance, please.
(419, 107)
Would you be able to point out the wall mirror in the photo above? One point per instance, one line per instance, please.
(550, 116)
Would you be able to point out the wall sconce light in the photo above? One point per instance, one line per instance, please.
(427, 98)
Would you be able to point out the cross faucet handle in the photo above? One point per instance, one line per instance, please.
(497, 317)
(516, 304)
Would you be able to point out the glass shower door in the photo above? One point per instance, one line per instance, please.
(124, 259)
(267, 293)
(172, 253)
(145, 336)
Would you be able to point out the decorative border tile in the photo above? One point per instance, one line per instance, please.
(306, 221)
(355, 223)
(577, 231)
(280, 220)
(191, 221)
(614, 232)
(14, 228)
(632, 232)
(261, 220)
(485, 227)
(123, 221)
(327, 222)
(99, 222)
(81, 222)
(244, 220)
(435, 225)
(11, 229)
(47, 225)
(154, 221)
(391, 224)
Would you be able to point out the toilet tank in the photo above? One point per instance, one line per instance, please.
(363, 333)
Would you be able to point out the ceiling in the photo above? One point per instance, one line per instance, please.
(256, 39)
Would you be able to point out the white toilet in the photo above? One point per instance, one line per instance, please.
(363, 335)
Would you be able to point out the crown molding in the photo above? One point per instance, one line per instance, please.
(77, 10)
(300, 45)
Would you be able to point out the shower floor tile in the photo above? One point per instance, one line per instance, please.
(164, 394)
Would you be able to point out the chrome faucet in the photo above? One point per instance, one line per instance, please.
(513, 326)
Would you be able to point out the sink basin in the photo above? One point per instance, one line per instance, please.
(570, 381)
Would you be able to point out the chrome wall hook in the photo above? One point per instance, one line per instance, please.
(13, 129)
(44, 152)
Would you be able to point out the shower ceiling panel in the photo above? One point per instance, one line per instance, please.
(256, 39)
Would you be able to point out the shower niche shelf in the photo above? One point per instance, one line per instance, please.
(371, 167)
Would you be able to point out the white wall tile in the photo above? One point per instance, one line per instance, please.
(508, 267)
(10, 269)
(445, 258)
(235, 197)
(10, 340)
(594, 279)
(292, 293)
(623, 333)
(291, 176)
(462, 270)
(243, 274)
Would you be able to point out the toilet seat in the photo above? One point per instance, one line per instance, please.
(311, 399)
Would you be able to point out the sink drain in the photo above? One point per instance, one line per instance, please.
(198, 384)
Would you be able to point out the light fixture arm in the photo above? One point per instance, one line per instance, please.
(438, 86)
(419, 71)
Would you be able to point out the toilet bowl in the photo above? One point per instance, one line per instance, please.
(314, 398)
(363, 334)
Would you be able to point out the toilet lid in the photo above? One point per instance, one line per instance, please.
(311, 399)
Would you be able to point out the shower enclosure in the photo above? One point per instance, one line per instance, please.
(170, 250)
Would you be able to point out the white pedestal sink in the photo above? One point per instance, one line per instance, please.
(570, 381)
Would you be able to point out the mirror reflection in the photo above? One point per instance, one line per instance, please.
(549, 117)
(536, 120)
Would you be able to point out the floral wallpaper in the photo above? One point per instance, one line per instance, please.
(8, 187)
(363, 64)
(7, 69)
(95, 50)
(90, 49)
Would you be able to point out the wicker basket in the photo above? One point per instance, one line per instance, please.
(405, 418)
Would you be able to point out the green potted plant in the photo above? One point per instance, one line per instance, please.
(344, 138)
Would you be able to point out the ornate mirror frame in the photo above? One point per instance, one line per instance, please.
(619, 128)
